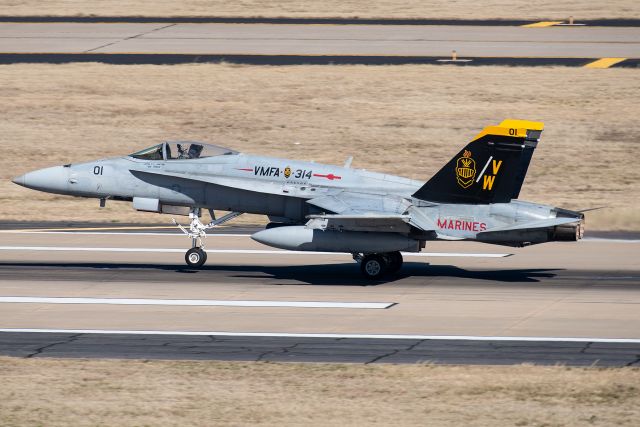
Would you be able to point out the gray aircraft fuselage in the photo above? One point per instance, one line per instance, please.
(237, 182)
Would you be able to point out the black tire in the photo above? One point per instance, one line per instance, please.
(373, 266)
(195, 257)
(395, 261)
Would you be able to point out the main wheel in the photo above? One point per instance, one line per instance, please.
(195, 257)
(373, 266)
(395, 261)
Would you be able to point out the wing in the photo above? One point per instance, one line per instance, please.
(354, 203)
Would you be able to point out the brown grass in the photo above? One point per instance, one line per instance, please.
(471, 9)
(406, 120)
(104, 392)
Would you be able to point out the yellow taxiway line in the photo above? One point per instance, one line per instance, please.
(604, 62)
(542, 24)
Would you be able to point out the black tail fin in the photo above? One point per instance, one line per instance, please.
(490, 169)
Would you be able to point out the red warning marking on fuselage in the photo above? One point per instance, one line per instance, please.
(328, 176)
(245, 169)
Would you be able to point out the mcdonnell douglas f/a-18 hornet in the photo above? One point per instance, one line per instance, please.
(316, 207)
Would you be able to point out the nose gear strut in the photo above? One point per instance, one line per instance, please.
(197, 232)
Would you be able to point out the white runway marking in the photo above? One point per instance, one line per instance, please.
(179, 234)
(118, 233)
(197, 302)
(234, 251)
(605, 240)
(302, 335)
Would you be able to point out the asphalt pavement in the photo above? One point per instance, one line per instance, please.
(326, 350)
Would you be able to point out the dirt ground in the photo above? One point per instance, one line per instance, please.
(470, 9)
(405, 120)
(106, 392)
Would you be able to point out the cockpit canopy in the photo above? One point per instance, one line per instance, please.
(182, 150)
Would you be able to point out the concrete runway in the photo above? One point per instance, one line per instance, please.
(363, 40)
(472, 293)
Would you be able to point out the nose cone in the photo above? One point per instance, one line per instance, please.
(51, 180)
(18, 180)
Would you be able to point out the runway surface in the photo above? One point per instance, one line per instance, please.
(604, 22)
(318, 40)
(314, 349)
(563, 296)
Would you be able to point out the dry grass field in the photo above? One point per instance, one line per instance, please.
(165, 393)
(406, 120)
(470, 9)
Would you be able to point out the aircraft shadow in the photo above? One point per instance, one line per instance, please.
(346, 274)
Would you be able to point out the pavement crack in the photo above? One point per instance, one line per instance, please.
(40, 350)
(282, 350)
(376, 359)
(396, 351)
(129, 38)
(586, 347)
(412, 346)
(635, 362)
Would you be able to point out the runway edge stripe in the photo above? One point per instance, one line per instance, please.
(319, 335)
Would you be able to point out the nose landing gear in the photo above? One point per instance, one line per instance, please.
(197, 232)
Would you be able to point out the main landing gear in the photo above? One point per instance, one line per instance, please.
(197, 232)
(375, 266)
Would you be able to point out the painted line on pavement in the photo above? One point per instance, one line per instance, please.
(542, 24)
(71, 232)
(197, 302)
(117, 233)
(605, 240)
(235, 251)
(604, 62)
(307, 335)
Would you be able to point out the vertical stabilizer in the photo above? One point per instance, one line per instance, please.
(490, 169)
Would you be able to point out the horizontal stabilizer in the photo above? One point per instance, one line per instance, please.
(545, 223)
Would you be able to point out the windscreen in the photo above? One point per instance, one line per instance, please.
(151, 153)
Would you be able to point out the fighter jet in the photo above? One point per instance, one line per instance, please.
(316, 207)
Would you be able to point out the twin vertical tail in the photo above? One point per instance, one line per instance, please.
(490, 169)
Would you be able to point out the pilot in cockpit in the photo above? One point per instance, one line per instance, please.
(182, 152)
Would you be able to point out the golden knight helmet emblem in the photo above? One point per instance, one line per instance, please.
(465, 170)
(287, 172)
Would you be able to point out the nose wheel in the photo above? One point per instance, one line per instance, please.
(195, 257)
